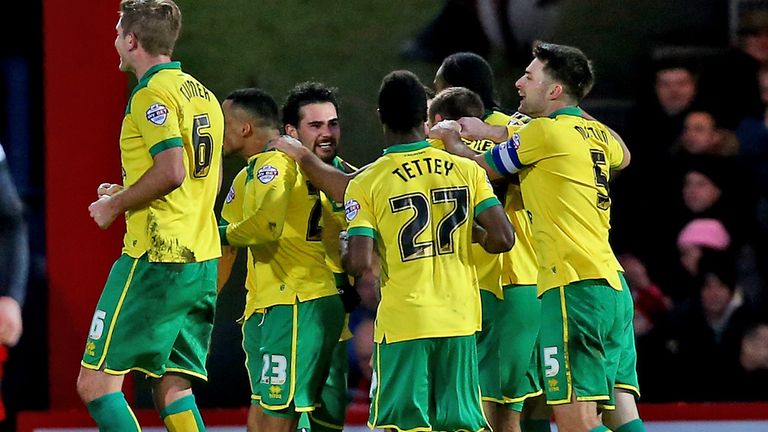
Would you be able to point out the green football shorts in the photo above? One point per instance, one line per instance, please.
(582, 333)
(426, 384)
(329, 416)
(297, 343)
(154, 318)
(626, 373)
(519, 325)
(252, 349)
(488, 349)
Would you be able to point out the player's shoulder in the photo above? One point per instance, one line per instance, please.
(240, 177)
(496, 117)
(267, 166)
(274, 157)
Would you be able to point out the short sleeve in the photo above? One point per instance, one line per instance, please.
(615, 151)
(157, 120)
(483, 196)
(359, 211)
(232, 210)
(526, 147)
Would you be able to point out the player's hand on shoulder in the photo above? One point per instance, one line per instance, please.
(288, 145)
(472, 128)
(103, 211)
(108, 189)
(444, 129)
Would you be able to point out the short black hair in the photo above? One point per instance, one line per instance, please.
(456, 102)
(402, 101)
(567, 65)
(467, 69)
(257, 103)
(308, 92)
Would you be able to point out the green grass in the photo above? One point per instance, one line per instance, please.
(274, 45)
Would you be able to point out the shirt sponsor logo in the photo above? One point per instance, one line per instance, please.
(267, 173)
(351, 209)
(157, 113)
(230, 195)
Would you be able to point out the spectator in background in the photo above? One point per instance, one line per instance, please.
(651, 325)
(652, 129)
(14, 265)
(701, 135)
(752, 382)
(698, 235)
(741, 97)
(710, 326)
(752, 134)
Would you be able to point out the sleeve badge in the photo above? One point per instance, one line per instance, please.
(157, 113)
(267, 173)
(351, 209)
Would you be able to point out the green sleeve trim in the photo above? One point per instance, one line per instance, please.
(223, 234)
(361, 231)
(488, 156)
(486, 204)
(165, 145)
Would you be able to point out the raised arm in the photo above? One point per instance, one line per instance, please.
(322, 175)
(448, 132)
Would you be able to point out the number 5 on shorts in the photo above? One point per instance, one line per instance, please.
(551, 364)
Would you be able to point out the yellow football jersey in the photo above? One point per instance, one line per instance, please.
(281, 226)
(518, 265)
(488, 265)
(333, 223)
(564, 163)
(232, 211)
(166, 109)
(418, 203)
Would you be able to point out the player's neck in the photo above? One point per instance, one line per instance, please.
(143, 63)
(259, 141)
(395, 138)
(557, 105)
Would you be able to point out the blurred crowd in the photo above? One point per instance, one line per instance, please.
(691, 221)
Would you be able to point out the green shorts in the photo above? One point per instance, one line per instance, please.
(426, 384)
(488, 349)
(626, 373)
(581, 338)
(154, 318)
(297, 343)
(519, 325)
(329, 416)
(252, 349)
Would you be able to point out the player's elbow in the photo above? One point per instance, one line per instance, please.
(500, 240)
(175, 177)
(356, 264)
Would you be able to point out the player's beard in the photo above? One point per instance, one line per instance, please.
(326, 154)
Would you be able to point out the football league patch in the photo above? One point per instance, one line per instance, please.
(351, 209)
(230, 196)
(516, 141)
(267, 173)
(157, 113)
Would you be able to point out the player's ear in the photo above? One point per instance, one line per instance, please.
(247, 129)
(132, 41)
(291, 130)
(555, 91)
